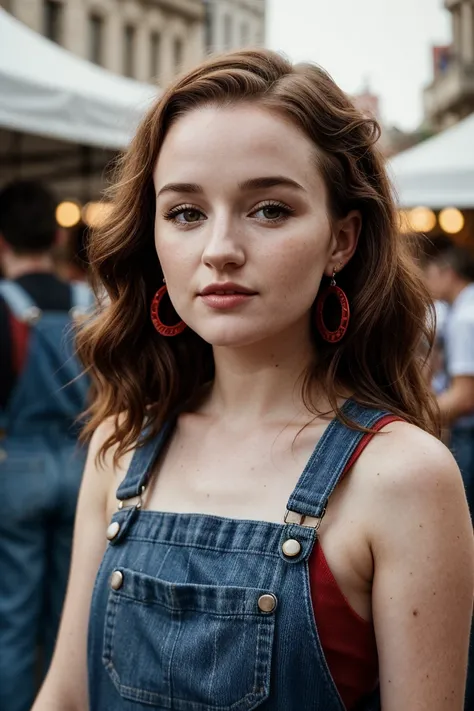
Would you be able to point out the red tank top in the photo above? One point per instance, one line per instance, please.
(347, 640)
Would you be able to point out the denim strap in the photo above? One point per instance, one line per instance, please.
(142, 462)
(18, 300)
(329, 460)
(81, 296)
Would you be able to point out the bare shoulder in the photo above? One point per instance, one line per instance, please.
(100, 436)
(103, 472)
(412, 486)
(403, 460)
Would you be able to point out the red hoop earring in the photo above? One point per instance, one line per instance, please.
(162, 328)
(340, 332)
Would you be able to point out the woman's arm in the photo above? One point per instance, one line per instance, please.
(65, 687)
(422, 543)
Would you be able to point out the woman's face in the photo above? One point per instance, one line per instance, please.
(242, 229)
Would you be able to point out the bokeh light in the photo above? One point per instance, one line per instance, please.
(68, 213)
(422, 219)
(404, 222)
(95, 214)
(451, 220)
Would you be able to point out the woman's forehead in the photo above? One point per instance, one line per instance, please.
(235, 141)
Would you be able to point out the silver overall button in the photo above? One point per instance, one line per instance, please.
(112, 530)
(291, 547)
(116, 580)
(267, 603)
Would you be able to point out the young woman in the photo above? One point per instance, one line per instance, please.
(269, 549)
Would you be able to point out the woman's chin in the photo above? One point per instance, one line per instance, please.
(236, 337)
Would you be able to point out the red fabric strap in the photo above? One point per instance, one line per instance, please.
(380, 424)
(19, 335)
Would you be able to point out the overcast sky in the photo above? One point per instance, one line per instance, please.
(386, 43)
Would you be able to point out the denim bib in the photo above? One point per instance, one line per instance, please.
(202, 613)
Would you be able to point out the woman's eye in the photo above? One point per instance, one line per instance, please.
(183, 215)
(188, 216)
(272, 213)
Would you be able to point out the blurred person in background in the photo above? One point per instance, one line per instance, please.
(438, 370)
(41, 395)
(262, 423)
(70, 255)
(449, 275)
(424, 250)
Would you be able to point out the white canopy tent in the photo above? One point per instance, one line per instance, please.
(438, 172)
(47, 91)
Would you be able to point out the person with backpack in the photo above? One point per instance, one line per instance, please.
(42, 393)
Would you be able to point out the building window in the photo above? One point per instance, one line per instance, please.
(96, 36)
(244, 34)
(52, 19)
(155, 49)
(178, 53)
(209, 28)
(129, 51)
(227, 32)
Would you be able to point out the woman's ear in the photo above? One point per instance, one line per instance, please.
(346, 237)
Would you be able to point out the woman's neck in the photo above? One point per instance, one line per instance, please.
(15, 265)
(263, 380)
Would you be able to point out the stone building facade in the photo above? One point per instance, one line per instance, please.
(450, 97)
(231, 24)
(148, 40)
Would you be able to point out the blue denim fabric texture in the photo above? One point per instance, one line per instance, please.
(175, 617)
(40, 471)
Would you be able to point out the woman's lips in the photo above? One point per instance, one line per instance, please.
(225, 300)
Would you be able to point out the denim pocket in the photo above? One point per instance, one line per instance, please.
(188, 647)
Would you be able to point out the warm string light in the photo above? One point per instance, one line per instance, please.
(95, 214)
(423, 219)
(451, 220)
(68, 214)
(404, 221)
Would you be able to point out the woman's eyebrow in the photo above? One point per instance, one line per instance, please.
(270, 181)
(191, 188)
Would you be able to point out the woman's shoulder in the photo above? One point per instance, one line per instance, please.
(405, 457)
(98, 449)
(102, 461)
(409, 477)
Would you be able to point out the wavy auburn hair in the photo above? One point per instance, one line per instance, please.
(136, 371)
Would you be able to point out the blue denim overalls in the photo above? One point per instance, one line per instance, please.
(201, 613)
(40, 474)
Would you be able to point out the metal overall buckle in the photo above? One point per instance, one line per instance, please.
(303, 520)
(135, 502)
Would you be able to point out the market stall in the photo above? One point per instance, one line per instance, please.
(47, 91)
(438, 172)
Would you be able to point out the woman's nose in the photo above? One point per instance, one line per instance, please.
(224, 246)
